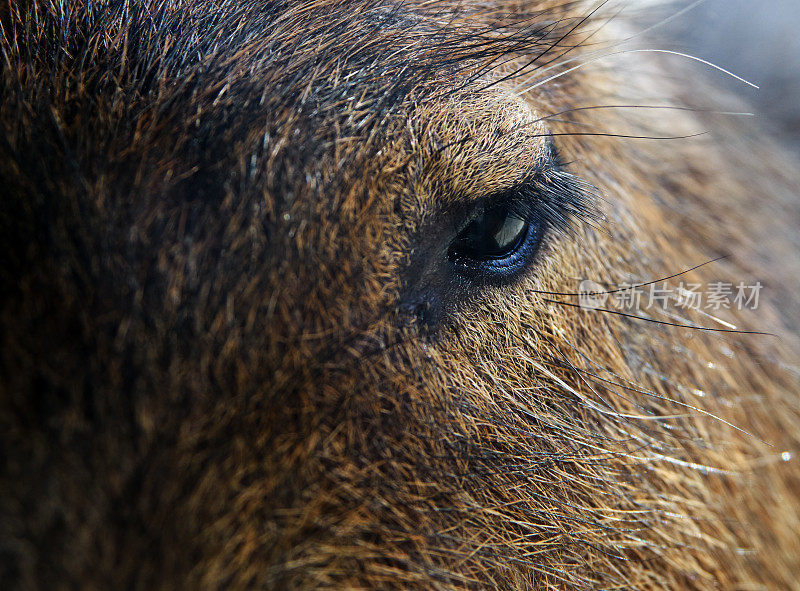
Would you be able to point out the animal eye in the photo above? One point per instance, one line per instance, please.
(496, 244)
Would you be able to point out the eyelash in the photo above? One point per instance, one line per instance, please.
(557, 199)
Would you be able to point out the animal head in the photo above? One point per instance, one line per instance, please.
(291, 300)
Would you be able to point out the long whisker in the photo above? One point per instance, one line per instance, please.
(664, 21)
(700, 60)
(663, 322)
(627, 52)
(636, 286)
(536, 58)
(665, 107)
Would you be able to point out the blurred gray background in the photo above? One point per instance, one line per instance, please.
(756, 39)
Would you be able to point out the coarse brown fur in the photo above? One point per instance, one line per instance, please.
(229, 357)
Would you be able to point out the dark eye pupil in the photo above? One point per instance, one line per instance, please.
(494, 234)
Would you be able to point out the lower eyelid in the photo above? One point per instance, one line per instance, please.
(502, 270)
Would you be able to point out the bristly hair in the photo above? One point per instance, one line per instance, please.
(217, 89)
(359, 59)
(130, 69)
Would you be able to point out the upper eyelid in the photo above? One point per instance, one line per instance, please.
(547, 191)
(526, 185)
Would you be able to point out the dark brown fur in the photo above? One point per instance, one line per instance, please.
(228, 358)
